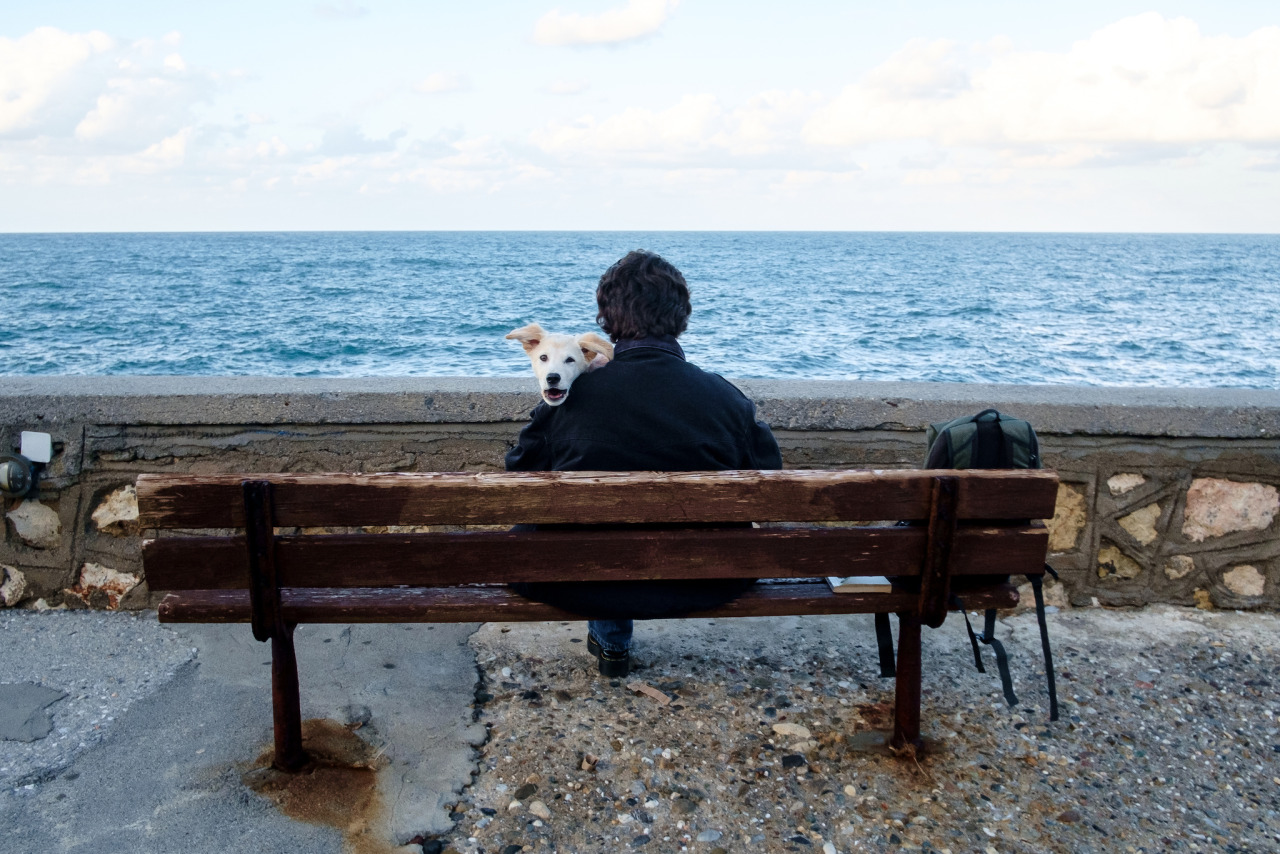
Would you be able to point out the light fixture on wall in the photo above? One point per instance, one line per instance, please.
(19, 472)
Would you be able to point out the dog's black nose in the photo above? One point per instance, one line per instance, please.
(552, 379)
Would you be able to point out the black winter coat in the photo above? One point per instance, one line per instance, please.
(647, 410)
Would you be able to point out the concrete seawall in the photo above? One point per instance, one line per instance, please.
(1168, 495)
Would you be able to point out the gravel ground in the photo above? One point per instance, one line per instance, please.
(1169, 740)
(102, 662)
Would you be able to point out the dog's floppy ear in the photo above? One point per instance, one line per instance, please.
(529, 336)
(593, 345)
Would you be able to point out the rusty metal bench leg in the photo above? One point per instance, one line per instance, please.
(268, 623)
(286, 705)
(906, 728)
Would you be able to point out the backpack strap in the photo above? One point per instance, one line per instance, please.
(1002, 658)
(1037, 585)
(957, 605)
(988, 638)
(884, 642)
(960, 444)
(1021, 446)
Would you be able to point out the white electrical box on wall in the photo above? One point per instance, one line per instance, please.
(37, 447)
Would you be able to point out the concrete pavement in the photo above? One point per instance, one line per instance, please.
(159, 724)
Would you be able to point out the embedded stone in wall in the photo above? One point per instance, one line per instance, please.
(117, 514)
(101, 586)
(1112, 561)
(1203, 600)
(1119, 484)
(1245, 581)
(14, 585)
(1055, 594)
(37, 525)
(1069, 519)
(1141, 524)
(1216, 507)
(1179, 566)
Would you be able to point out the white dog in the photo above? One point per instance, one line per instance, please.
(558, 360)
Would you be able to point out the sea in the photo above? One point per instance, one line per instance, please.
(1083, 309)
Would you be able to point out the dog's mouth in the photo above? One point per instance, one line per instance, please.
(555, 396)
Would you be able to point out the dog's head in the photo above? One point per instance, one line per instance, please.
(558, 360)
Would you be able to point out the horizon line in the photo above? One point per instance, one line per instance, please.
(636, 231)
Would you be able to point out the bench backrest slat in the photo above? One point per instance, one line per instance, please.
(508, 498)
(442, 559)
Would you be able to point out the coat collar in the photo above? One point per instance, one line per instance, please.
(666, 343)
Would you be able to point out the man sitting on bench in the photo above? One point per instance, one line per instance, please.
(647, 410)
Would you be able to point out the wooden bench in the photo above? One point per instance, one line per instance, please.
(970, 524)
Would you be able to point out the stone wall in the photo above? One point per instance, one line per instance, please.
(1167, 495)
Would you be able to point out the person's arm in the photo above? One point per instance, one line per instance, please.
(530, 452)
(763, 447)
(759, 447)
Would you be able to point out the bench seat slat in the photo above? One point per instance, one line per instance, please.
(507, 498)
(497, 604)
(385, 560)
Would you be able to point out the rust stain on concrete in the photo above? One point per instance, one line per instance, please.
(339, 788)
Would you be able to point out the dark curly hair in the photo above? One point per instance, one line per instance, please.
(643, 294)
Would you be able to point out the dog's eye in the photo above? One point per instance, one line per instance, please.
(543, 357)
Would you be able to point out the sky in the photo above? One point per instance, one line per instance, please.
(639, 115)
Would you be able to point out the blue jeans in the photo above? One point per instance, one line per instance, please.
(612, 635)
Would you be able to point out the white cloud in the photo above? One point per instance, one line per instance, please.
(637, 19)
(770, 122)
(42, 80)
(1144, 80)
(694, 129)
(691, 125)
(87, 87)
(1141, 90)
(803, 181)
(443, 81)
(479, 164)
(168, 153)
(937, 120)
(138, 108)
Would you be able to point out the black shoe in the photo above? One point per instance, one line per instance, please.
(611, 664)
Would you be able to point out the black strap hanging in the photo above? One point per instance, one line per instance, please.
(988, 638)
(1037, 585)
(884, 641)
(1002, 657)
(957, 605)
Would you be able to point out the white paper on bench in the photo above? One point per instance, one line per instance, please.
(860, 584)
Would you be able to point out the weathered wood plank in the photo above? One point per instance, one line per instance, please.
(506, 498)
(383, 560)
(497, 604)
(264, 575)
(935, 578)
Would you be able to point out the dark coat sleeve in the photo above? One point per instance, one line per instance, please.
(759, 447)
(762, 448)
(531, 452)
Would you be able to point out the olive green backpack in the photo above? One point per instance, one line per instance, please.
(987, 440)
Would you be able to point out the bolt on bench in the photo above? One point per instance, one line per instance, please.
(970, 524)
